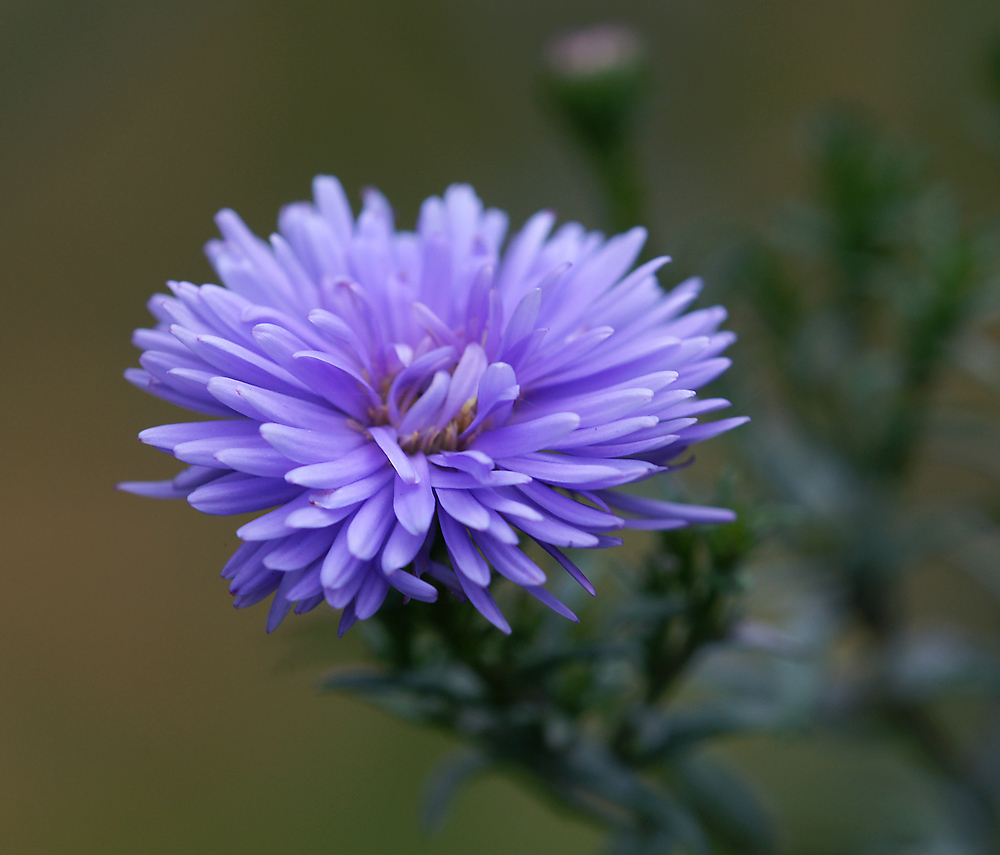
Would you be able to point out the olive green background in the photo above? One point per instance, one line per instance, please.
(139, 712)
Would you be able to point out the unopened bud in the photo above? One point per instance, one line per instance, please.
(595, 78)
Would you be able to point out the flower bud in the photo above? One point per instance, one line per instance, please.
(595, 79)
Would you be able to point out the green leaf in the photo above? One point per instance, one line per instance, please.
(664, 734)
(647, 609)
(932, 665)
(447, 777)
(454, 683)
(734, 814)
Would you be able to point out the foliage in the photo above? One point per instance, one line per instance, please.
(866, 305)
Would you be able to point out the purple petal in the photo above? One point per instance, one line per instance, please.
(697, 323)
(329, 379)
(188, 381)
(461, 505)
(521, 254)
(237, 362)
(160, 340)
(341, 569)
(239, 493)
(464, 383)
(160, 363)
(497, 386)
(245, 554)
(169, 436)
(596, 275)
(281, 605)
(449, 480)
(312, 446)
(494, 325)
(202, 451)
(562, 470)
(481, 598)
(411, 586)
(312, 517)
(385, 438)
(659, 509)
(308, 587)
(267, 585)
(523, 352)
(347, 619)
(710, 429)
(299, 550)
(569, 352)
(353, 466)
(153, 489)
(447, 577)
(558, 533)
(255, 461)
(507, 505)
(424, 410)
(337, 330)
(632, 448)
(595, 408)
(465, 559)
(195, 476)
(696, 407)
(353, 493)
(406, 384)
(703, 372)
(252, 576)
(367, 531)
(413, 504)
(522, 320)
(545, 597)
(274, 524)
(439, 330)
(570, 568)
(655, 524)
(514, 440)
(500, 529)
(307, 604)
(333, 205)
(143, 380)
(568, 509)
(371, 595)
(475, 463)
(510, 561)
(267, 406)
(603, 433)
(401, 548)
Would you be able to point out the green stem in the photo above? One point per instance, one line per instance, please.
(618, 172)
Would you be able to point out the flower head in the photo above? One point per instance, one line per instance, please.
(395, 398)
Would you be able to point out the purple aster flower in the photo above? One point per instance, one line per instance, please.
(392, 398)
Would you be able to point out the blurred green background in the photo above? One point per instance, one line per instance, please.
(139, 712)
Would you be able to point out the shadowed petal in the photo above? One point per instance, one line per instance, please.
(465, 558)
(413, 504)
(367, 531)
